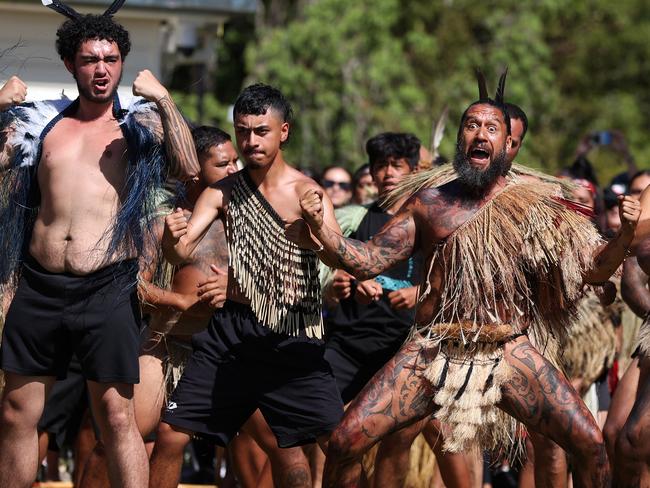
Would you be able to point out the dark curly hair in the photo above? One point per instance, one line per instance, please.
(73, 33)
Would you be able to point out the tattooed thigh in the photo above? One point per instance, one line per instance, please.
(397, 395)
(539, 396)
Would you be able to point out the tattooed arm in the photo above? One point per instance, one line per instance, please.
(395, 241)
(179, 145)
(634, 287)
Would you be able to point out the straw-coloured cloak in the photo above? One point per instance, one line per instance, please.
(522, 256)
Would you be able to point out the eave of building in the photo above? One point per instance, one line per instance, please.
(147, 8)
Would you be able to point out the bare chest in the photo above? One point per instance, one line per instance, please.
(443, 221)
(83, 158)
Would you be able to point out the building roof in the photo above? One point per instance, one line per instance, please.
(193, 6)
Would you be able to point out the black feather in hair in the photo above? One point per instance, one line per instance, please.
(115, 6)
(482, 85)
(501, 89)
(62, 9)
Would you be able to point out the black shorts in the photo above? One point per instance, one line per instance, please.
(352, 374)
(239, 365)
(65, 408)
(56, 315)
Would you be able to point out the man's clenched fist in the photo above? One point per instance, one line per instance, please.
(311, 204)
(175, 227)
(629, 209)
(12, 93)
(147, 86)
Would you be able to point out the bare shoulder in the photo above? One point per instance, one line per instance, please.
(222, 189)
(427, 200)
(301, 182)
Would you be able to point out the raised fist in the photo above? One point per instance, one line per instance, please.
(147, 86)
(175, 227)
(311, 204)
(629, 209)
(12, 93)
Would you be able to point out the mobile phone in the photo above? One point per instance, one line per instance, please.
(603, 138)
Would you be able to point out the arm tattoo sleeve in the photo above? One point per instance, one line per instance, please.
(394, 243)
(634, 287)
(179, 144)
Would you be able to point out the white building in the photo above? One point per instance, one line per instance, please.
(163, 33)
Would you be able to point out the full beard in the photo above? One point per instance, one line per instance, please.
(478, 182)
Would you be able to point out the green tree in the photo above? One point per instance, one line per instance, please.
(355, 68)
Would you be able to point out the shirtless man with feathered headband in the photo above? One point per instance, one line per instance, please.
(78, 184)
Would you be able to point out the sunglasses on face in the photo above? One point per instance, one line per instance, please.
(345, 186)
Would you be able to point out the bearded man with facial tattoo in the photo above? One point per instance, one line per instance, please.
(506, 257)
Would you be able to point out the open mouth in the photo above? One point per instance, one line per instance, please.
(479, 156)
(100, 84)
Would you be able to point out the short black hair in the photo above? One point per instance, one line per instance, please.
(638, 174)
(257, 99)
(206, 137)
(73, 33)
(515, 112)
(610, 198)
(582, 169)
(393, 145)
(492, 103)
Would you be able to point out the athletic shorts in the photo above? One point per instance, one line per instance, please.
(352, 374)
(65, 408)
(238, 365)
(56, 315)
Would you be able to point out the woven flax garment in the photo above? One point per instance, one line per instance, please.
(279, 278)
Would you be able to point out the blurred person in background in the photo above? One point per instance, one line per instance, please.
(612, 218)
(518, 129)
(364, 188)
(639, 182)
(615, 141)
(337, 182)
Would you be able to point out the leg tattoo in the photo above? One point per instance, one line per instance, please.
(541, 398)
(397, 396)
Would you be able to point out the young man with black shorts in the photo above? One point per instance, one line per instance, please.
(263, 348)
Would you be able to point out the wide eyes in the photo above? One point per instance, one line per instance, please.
(474, 126)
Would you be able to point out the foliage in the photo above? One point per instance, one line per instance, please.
(353, 68)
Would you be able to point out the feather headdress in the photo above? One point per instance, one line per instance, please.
(438, 132)
(63, 9)
(483, 96)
